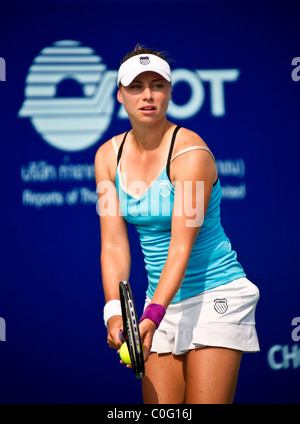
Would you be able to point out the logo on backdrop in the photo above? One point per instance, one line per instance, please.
(74, 123)
(70, 99)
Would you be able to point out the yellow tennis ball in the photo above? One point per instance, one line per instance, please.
(124, 354)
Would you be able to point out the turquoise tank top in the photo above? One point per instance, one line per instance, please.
(212, 262)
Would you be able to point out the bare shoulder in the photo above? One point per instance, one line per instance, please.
(106, 158)
(103, 161)
(191, 162)
(187, 138)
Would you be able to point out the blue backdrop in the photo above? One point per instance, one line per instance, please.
(235, 83)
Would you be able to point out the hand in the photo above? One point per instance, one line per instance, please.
(114, 325)
(147, 329)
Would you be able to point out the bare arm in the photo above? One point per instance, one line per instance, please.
(115, 250)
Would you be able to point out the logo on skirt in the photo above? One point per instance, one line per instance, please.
(221, 306)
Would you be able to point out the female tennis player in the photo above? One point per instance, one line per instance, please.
(199, 314)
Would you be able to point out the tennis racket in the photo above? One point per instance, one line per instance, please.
(131, 333)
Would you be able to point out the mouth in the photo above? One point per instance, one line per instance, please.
(148, 108)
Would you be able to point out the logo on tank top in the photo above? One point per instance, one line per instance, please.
(164, 188)
(221, 306)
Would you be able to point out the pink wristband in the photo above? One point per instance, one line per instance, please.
(155, 313)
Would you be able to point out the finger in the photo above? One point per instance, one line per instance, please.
(114, 345)
(114, 341)
(118, 344)
(127, 365)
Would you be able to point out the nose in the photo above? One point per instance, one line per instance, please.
(147, 93)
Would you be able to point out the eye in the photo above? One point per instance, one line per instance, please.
(159, 85)
(135, 86)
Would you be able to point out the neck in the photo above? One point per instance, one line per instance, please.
(150, 137)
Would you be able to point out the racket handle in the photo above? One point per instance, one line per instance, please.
(121, 336)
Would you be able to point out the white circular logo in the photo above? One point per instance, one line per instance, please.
(69, 123)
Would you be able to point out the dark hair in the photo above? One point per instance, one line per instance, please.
(139, 49)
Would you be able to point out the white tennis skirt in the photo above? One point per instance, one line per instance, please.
(220, 317)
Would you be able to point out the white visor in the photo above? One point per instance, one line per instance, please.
(143, 63)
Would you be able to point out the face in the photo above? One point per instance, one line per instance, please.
(147, 97)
